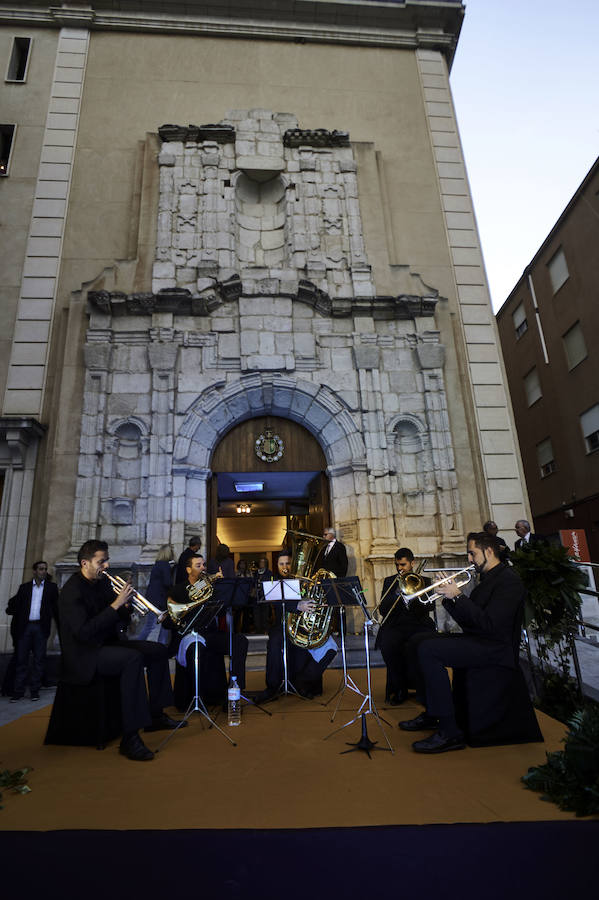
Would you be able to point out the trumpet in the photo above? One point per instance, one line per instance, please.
(429, 595)
(140, 604)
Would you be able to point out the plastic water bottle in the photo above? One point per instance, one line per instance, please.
(234, 702)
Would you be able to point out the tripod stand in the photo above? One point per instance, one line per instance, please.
(336, 588)
(207, 612)
(367, 706)
(279, 592)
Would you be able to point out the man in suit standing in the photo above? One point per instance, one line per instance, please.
(333, 557)
(525, 537)
(33, 607)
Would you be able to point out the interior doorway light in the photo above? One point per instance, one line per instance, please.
(246, 487)
(244, 509)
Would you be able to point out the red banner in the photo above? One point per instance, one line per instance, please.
(575, 540)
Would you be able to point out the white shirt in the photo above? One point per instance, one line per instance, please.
(36, 601)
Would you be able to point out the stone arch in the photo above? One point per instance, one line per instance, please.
(314, 406)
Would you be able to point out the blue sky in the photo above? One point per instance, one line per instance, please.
(525, 83)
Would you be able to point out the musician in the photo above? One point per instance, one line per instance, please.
(262, 611)
(407, 618)
(489, 619)
(333, 557)
(93, 623)
(213, 645)
(304, 667)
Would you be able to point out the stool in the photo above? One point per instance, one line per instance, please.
(86, 715)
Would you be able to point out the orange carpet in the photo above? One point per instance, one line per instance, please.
(281, 774)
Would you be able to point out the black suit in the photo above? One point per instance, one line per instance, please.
(31, 636)
(391, 639)
(334, 561)
(212, 686)
(521, 544)
(490, 619)
(92, 635)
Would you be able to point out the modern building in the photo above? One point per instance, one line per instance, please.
(548, 328)
(282, 303)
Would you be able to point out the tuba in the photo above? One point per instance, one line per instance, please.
(198, 593)
(309, 630)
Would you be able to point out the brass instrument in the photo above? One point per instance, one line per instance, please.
(198, 592)
(410, 585)
(140, 604)
(309, 630)
(467, 574)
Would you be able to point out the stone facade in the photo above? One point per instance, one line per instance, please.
(261, 268)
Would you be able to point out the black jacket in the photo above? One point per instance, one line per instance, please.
(19, 608)
(335, 561)
(87, 622)
(533, 539)
(493, 613)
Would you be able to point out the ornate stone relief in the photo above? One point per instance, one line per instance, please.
(262, 301)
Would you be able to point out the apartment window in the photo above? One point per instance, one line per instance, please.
(545, 458)
(7, 135)
(589, 422)
(520, 320)
(19, 59)
(532, 387)
(574, 345)
(558, 270)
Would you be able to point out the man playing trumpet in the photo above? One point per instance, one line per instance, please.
(93, 623)
(489, 618)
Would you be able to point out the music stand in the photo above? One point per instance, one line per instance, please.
(234, 593)
(339, 592)
(367, 706)
(281, 592)
(201, 618)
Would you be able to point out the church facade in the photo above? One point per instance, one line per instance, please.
(305, 251)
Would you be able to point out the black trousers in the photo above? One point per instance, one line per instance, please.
(128, 659)
(302, 669)
(431, 654)
(392, 640)
(33, 640)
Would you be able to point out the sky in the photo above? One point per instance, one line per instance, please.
(525, 84)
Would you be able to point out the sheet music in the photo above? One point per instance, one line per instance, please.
(273, 590)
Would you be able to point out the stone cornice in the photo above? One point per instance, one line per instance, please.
(180, 301)
(410, 24)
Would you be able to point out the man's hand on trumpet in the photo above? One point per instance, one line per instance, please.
(448, 588)
(123, 597)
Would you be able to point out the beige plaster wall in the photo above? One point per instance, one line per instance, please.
(26, 105)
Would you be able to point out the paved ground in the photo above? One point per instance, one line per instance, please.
(588, 658)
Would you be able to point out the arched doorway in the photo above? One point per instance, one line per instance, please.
(291, 491)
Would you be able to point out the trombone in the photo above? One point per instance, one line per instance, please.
(140, 604)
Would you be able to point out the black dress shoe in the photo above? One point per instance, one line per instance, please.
(35, 695)
(421, 723)
(439, 743)
(134, 748)
(305, 693)
(164, 723)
